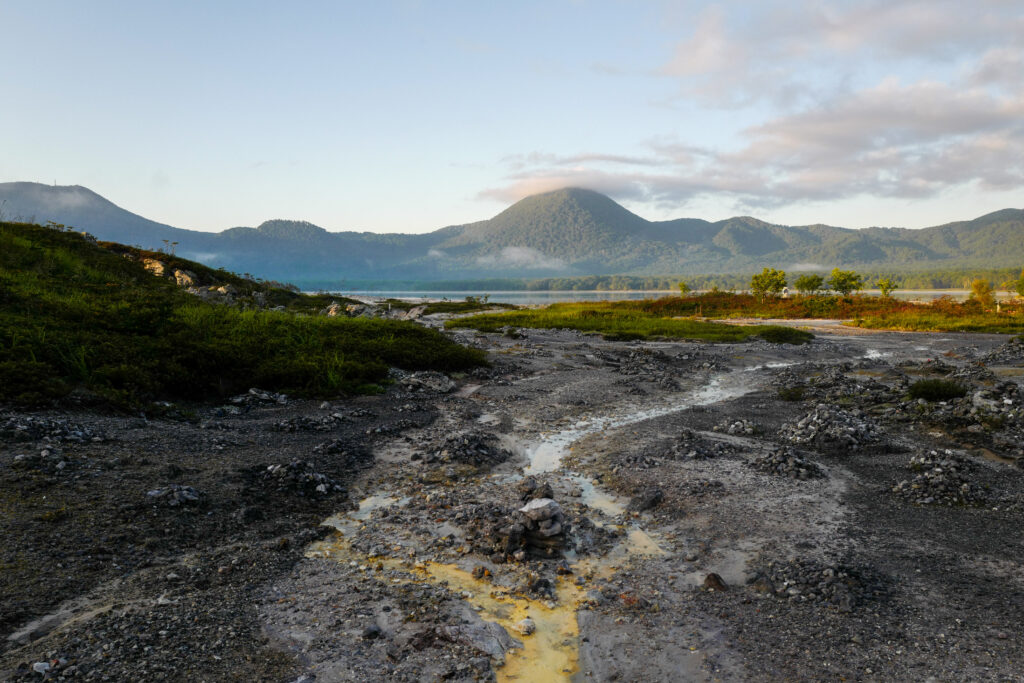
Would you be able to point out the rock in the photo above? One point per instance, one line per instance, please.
(372, 632)
(154, 266)
(830, 427)
(428, 380)
(174, 495)
(646, 500)
(300, 477)
(786, 462)
(541, 509)
(526, 627)
(41, 667)
(714, 582)
(184, 278)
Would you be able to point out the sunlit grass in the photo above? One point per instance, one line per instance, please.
(76, 315)
(616, 320)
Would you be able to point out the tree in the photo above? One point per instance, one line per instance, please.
(809, 284)
(845, 281)
(768, 281)
(982, 292)
(886, 285)
(1020, 284)
(684, 288)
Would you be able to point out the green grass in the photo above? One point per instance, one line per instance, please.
(618, 320)
(873, 312)
(76, 314)
(936, 390)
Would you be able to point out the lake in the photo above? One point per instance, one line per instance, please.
(549, 297)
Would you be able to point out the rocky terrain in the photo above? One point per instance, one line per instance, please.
(580, 510)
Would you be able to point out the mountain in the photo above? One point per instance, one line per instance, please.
(567, 232)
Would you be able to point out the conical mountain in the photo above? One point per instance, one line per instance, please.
(571, 223)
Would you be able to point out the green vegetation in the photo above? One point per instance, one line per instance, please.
(982, 292)
(627, 320)
(809, 284)
(768, 281)
(470, 304)
(845, 281)
(684, 288)
(75, 314)
(886, 286)
(936, 390)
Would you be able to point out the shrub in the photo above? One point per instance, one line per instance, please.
(936, 390)
(780, 334)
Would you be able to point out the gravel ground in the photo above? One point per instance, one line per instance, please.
(720, 512)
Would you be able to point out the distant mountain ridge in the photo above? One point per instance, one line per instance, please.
(567, 232)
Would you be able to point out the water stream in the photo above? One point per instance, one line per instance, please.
(551, 653)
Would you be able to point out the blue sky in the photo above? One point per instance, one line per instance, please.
(409, 116)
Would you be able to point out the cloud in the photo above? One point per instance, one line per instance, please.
(791, 53)
(521, 257)
(889, 140)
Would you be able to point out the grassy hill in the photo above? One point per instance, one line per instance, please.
(87, 317)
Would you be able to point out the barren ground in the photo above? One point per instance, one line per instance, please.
(724, 512)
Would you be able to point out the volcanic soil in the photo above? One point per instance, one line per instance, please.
(581, 510)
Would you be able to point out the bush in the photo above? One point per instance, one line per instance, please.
(936, 390)
(780, 334)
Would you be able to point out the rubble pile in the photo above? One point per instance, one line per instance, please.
(305, 423)
(427, 381)
(691, 446)
(29, 428)
(1010, 353)
(807, 580)
(174, 495)
(471, 448)
(787, 463)
(738, 427)
(258, 397)
(832, 428)
(300, 477)
(940, 479)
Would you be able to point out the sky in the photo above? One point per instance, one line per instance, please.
(405, 116)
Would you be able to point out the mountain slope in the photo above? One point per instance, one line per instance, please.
(567, 232)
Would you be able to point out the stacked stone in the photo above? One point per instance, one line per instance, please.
(787, 463)
(830, 427)
(691, 446)
(544, 527)
(941, 479)
(300, 477)
(737, 427)
(472, 448)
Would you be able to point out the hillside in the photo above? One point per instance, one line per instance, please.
(90, 318)
(569, 232)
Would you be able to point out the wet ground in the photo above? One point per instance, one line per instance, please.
(721, 512)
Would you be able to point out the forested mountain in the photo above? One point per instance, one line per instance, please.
(569, 232)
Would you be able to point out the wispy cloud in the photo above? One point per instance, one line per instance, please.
(958, 121)
(521, 257)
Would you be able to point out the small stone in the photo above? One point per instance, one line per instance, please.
(372, 632)
(715, 582)
(525, 627)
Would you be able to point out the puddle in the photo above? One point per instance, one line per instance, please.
(596, 498)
